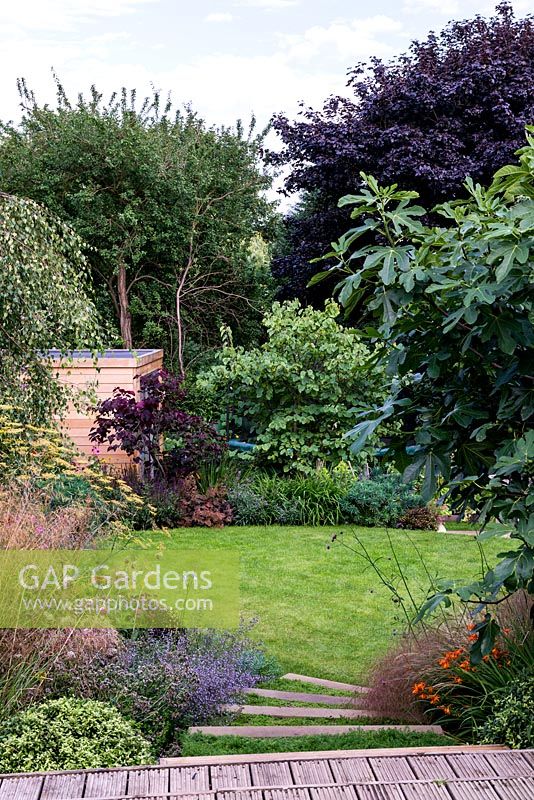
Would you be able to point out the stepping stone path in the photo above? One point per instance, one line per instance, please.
(299, 711)
(303, 697)
(281, 731)
(340, 707)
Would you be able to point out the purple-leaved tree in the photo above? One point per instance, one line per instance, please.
(455, 105)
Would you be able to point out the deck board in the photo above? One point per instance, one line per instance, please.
(56, 787)
(431, 767)
(511, 763)
(448, 774)
(100, 784)
(377, 792)
(230, 776)
(277, 773)
(473, 790)
(347, 770)
(333, 793)
(392, 769)
(425, 791)
(148, 783)
(306, 773)
(291, 793)
(189, 780)
(471, 765)
(21, 788)
(515, 789)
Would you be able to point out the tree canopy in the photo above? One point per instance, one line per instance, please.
(453, 305)
(167, 207)
(44, 304)
(455, 105)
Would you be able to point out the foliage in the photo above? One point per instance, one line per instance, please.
(43, 286)
(453, 306)
(421, 518)
(379, 501)
(42, 458)
(171, 443)
(512, 722)
(427, 672)
(169, 210)
(251, 508)
(30, 520)
(311, 499)
(207, 510)
(70, 734)
(462, 696)
(296, 393)
(167, 680)
(456, 104)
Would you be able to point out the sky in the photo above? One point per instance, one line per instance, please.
(228, 58)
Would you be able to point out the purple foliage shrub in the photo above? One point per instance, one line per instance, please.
(455, 104)
(174, 442)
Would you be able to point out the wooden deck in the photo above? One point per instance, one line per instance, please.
(435, 773)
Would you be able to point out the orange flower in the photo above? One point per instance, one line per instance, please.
(417, 688)
(450, 657)
(472, 637)
(457, 679)
(445, 709)
(471, 626)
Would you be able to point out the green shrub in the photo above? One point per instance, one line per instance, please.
(312, 499)
(70, 734)
(249, 507)
(379, 501)
(295, 395)
(512, 722)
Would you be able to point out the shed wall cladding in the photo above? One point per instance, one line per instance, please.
(113, 368)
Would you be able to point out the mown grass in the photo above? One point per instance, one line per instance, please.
(256, 700)
(321, 611)
(198, 744)
(286, 685)
(265, 719)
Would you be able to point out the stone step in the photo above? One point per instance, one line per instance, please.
(327, 684)
(281, 731)
(302, 697)
(302, 711)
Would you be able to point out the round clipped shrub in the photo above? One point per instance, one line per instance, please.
(69, 733)
(512, 722)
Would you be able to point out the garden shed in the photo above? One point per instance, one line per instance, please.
(98, 377)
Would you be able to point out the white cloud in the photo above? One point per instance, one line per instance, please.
(347, 39)
(221, 17)
(268, 4)
(462, 9)
(62, 15)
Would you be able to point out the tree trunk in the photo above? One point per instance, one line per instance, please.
(124, 308)
(180, 327)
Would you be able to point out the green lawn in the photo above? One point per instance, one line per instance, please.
(321, 611)
(199, 745)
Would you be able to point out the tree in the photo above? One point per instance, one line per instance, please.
(296, 393)
(44, 304)
(455, 105)
(453, 305)
(167, 208)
